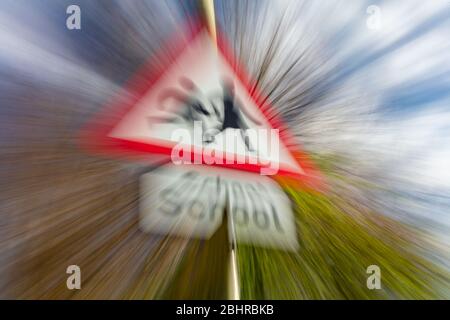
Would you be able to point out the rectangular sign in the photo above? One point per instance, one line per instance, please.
(190, 201)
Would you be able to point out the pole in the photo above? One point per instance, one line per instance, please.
(207, 10)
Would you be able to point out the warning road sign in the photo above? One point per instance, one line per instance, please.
(201, 109)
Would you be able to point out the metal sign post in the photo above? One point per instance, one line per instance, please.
(207, 7)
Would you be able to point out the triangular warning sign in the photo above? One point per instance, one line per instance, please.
(201, 108)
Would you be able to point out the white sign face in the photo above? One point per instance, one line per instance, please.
(189, 201)
(202, 87)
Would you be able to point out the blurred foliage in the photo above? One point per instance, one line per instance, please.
(337, 244)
